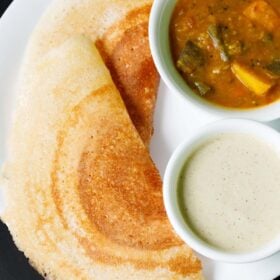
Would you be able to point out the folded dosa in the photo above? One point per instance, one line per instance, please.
(83, 198)
(120, 30)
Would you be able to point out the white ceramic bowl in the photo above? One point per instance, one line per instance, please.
(172, 174)
(159, 43)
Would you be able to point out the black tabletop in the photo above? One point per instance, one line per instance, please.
(13, 264)
(3, 5)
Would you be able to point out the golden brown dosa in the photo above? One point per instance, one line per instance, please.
(83, 198)
(120, 29)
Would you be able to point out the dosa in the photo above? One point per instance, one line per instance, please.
(83, 197)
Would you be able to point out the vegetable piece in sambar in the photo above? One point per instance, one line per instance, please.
(274, 67)
(215, 34)
(262, 13)
(255, 83)
(191, 58)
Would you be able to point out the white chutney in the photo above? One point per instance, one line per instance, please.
(229, 192)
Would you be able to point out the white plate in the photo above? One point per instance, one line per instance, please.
(174, 121)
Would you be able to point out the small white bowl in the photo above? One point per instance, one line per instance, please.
(170, 187)
(159, 42)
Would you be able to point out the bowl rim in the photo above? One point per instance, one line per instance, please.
(172, 173)
(159, 31)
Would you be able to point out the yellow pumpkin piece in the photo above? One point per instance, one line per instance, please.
(255, 83)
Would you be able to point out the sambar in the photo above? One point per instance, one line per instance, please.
(228, 51)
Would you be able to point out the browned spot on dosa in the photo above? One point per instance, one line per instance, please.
(133, 70)
(120, 190)
(120, 187)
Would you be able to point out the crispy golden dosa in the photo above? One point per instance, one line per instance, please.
(83, 198)
(120, 28)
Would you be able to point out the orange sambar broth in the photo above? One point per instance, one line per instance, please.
(190, 21)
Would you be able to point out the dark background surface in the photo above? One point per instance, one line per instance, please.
(3, 6)
(13, 264)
